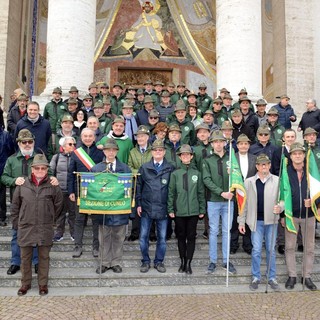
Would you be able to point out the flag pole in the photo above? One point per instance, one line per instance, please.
(274, 221)
(101, 247)
(229, 212)
(304, 256)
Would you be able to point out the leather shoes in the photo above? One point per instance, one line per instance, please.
(248, 251)
(132, 237)
(116, 269)
(103, 269)
(23, 290)
(43, 290)
(36, 268)
(300, 248)
(281, 249)
(153, 238)
(309, 284)
(290, 283)
(13, 269)
(233, 251)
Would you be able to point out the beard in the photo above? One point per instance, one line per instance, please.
(27, 152)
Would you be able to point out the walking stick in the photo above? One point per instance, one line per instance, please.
(229, 212)
(274, 222)
(304, 256)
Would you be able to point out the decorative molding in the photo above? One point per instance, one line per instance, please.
(107, 27)
(185, 34)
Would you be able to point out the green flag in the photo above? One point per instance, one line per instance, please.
(105, 193)
(286, 196)
(236, 182)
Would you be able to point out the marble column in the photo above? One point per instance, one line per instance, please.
(70, 44)
(239, 46)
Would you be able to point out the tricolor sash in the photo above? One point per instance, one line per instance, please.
(84, 158)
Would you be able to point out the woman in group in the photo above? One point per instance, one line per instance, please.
(80, 121)
(186, 203)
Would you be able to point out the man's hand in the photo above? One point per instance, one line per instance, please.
(171, 215)
(242, 229)
(201, 215)
(20, 181)
(139, 211)
(72, 197)
(276, 209)
(54, 181)
(307, 203)
(227, 195)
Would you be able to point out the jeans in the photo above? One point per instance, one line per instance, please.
(161, 226)
(263, 232)
(215, 210)
(15, 251)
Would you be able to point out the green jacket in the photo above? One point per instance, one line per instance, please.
(116, 104)
(52, 151)
(186, 192)
(188, 133)
(137, 159)
(215, 176)
(220, 117)
(176, 96)
(171, 154)
(53, 112)
(17, 166)
(276, 133)
(204, 102)
(124, 143)
(105, 124)
(200, 152)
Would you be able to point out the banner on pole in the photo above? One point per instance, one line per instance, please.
(105, 193)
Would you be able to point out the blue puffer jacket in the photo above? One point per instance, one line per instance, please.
(113, 219)
(284, 115)
(152, 189)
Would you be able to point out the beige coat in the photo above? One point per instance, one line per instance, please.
(271, 190)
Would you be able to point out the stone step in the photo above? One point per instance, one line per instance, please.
(132, 259)
(87, 277)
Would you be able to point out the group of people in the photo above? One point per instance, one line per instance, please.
(177, 145)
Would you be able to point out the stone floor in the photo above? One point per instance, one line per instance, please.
(282, 305)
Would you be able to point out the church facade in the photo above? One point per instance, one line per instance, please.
(269, 47)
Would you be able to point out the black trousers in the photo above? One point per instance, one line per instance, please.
(3, 203)
(186, 230)
(234, 239)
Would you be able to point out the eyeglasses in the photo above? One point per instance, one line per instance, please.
(87, 100)
(40, 168)
(27, 142)
(153, 118)
(71, 144)
(263, 134)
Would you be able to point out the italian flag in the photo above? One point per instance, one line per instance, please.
(313, 176)
(236, 182)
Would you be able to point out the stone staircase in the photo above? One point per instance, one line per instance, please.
(66, 271)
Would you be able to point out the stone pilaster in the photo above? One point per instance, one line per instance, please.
(239, 46)
(70, 44)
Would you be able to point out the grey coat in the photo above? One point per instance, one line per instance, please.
(249, 215)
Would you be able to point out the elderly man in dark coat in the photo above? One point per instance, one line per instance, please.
(35, 207)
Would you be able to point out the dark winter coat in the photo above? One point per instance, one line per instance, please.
(152, 189)
(34, 211)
